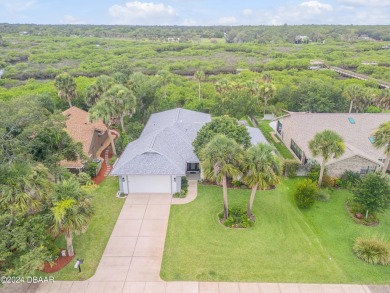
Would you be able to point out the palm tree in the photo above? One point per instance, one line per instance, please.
(165, 77)
(382, 140)
(66, 87)
(71, 211)
(328, 145)
(25, 188)
(267, 91)
(122, 101)
(94, 92)
(199, 76)
(352, 93)
(220, 159)
(103, 110)
(262, 169)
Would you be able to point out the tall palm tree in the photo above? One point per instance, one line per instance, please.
(327, 144)
(71, 211)
(199, 76)
(66, 87)
(261, 168)
(101, 85)
(267, 91)
(165, 77)
(103, 110)
(122, 101)
(382, 140)
(220, 159)
(352, 93)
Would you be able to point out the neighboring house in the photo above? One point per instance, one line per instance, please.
(156, 161)
(297, 129)
(92, 135)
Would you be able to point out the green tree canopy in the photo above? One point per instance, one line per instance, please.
(373, 193)
(222, 125)
(382, 140)
(66, 87)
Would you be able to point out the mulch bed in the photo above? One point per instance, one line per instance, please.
(58, 264)
(360, 221)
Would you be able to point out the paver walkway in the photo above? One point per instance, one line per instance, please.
(132, 260)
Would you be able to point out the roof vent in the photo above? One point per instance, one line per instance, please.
(371, 139)
(351, 120)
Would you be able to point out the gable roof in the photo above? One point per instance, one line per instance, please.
(304, 126)
(165, 144)
(79, 127)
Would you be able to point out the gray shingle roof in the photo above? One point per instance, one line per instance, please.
(303, 127)
(165, 145)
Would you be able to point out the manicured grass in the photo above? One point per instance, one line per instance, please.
(285, 245)
(90, 245)
(282, 149)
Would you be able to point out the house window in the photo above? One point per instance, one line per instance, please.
(295, 148)
(367, 169)
(279, 127)
(191, 167)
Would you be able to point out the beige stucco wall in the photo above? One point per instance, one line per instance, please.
(354, 164)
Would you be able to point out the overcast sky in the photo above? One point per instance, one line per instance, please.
(195, 12)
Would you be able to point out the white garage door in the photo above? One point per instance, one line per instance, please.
(149, 183)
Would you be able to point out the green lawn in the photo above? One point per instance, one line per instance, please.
(285, 245)
(282, 149)
(90, 245)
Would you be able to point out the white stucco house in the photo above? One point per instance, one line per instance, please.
(156, 161)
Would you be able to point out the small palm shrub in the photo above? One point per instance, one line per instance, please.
(306, 193)
(374, 250)
(349, 179)
(238, 218)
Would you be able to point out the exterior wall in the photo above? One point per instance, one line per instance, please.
(286, 135)
(354, 164)
(97, 142)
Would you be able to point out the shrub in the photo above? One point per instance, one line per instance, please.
(373, 250)
(84, 179)
(349, 179)
(290, 168)
(314, 175)
(184, 185)
(238, 218)
(305, 193)
(112, 160)
(180, 194)
(91, 168)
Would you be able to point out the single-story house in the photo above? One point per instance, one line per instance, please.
(357, 129)
(92, 135)
(156, 161)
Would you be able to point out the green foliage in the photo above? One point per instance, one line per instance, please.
(184, 185)
(305, 194)
(238, 218)
(373, 109)
(373, 193)
(91, 168)
(266, 129)
(66, 87)
(180, 194)
(84, 179)
(221, 125)
(374, 250)
(382, 137)
(323, 195)
(290, 168)
(349, 180)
